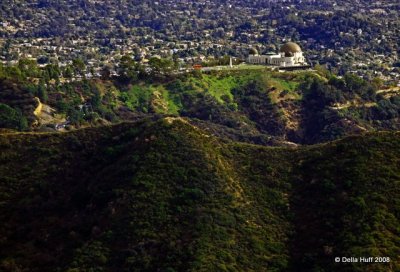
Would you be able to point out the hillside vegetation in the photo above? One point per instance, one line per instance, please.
(254, 106)
(164, 195)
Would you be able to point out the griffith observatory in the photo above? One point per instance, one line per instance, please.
(290, 55)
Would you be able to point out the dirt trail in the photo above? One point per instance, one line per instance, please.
(356, 104)
(388, 93)
(46, 114)
(390, 90)
(39, 108)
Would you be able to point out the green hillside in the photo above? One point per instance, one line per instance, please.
(164, 195)
(255, 106)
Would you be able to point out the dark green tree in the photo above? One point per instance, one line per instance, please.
(42, 92)
(79, 67)
(127, 69)
(12, 118)
(160, 66)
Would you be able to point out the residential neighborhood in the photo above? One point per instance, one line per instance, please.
(341, 35)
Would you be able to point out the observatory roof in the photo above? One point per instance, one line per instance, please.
(290, 47)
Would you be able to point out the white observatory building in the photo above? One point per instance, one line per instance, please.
(290, 55)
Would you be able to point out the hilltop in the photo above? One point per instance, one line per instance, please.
(165, 195)
(255, 106)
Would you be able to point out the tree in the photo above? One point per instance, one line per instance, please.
(127, 69)
(95, 100)
(12, 118)
(42, 92)
(14, 73)
(74, 116)
(161, 66)
(79, 67)
(52, 71)
(68, 72)
(29, 67)
(377, 83)
(105, 72)
(353, 82)
(337, 82)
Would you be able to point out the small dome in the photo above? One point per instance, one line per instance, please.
(290, 48)
(253, 51)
